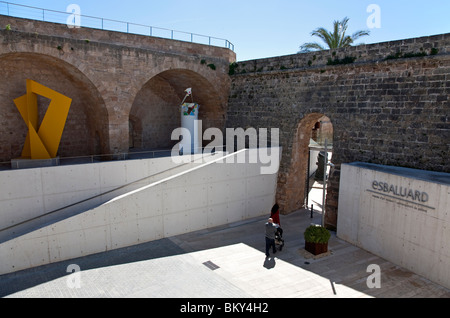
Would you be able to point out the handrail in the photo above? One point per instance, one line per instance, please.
(106, 157)
(188, 37)
(116, 156)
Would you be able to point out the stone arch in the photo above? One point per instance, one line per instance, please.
(155, 112)
(291, 194)
(86, 129)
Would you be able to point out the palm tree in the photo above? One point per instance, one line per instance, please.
(335, 39)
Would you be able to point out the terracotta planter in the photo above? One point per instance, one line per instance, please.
(316, 248)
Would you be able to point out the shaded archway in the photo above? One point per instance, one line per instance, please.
(156, 109)
(291, 192)
(86, 129)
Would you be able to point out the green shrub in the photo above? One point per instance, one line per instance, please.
(316, 234)
(434, 51)
(232, 69)
(345, 60)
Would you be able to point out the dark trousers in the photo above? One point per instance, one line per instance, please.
(270, 243)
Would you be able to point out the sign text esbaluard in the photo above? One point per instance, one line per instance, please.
(400, 191)
(401, 195)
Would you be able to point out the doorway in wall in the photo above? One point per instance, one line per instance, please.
(318, 168)
(312, 132)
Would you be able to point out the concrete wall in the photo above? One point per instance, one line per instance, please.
(209, 195)
(378, 213)
(314, 154)
(31, 193)
(42, 196)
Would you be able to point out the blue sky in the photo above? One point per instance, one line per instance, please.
(262, 28)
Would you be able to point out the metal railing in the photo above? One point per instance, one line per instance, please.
(130, 155)
(46, 15)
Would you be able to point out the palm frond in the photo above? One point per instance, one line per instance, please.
(359, 34)
(324, 35)
(342, 39)
(347, 41)
(335, 39)
(308, 47)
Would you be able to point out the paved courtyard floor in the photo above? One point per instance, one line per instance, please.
(223, 262)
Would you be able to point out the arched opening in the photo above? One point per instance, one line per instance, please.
(156, 109)
(308, 143)
(86, 129)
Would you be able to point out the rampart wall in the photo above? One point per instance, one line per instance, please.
(388, 104)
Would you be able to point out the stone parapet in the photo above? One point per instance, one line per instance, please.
(118, 38)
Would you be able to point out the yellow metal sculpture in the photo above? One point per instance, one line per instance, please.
(43, 143)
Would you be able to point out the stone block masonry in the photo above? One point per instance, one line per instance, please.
(388, 104)
(124, 86)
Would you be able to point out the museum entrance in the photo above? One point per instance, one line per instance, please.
(318, 167)
(307, 163)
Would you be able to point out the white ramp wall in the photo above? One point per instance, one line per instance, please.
(215, 193)
(400, 214)
(30, 193)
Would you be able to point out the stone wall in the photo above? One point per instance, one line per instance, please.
(117, 38)
(388, 105)
(115, 80)
(87, 113)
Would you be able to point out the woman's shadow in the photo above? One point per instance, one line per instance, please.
(269, 262)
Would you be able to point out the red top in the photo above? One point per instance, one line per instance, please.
(276, 217)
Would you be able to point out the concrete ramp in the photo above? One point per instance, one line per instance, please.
(214, 193)
(42, 196)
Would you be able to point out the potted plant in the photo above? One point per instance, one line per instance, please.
(316, 239)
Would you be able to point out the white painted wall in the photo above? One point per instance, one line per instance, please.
(52, 193)
(212, 194)
(403, 230)
(29, 193)
(314, 159)
(314, 154)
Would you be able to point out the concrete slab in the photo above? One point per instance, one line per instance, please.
(175, 268)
